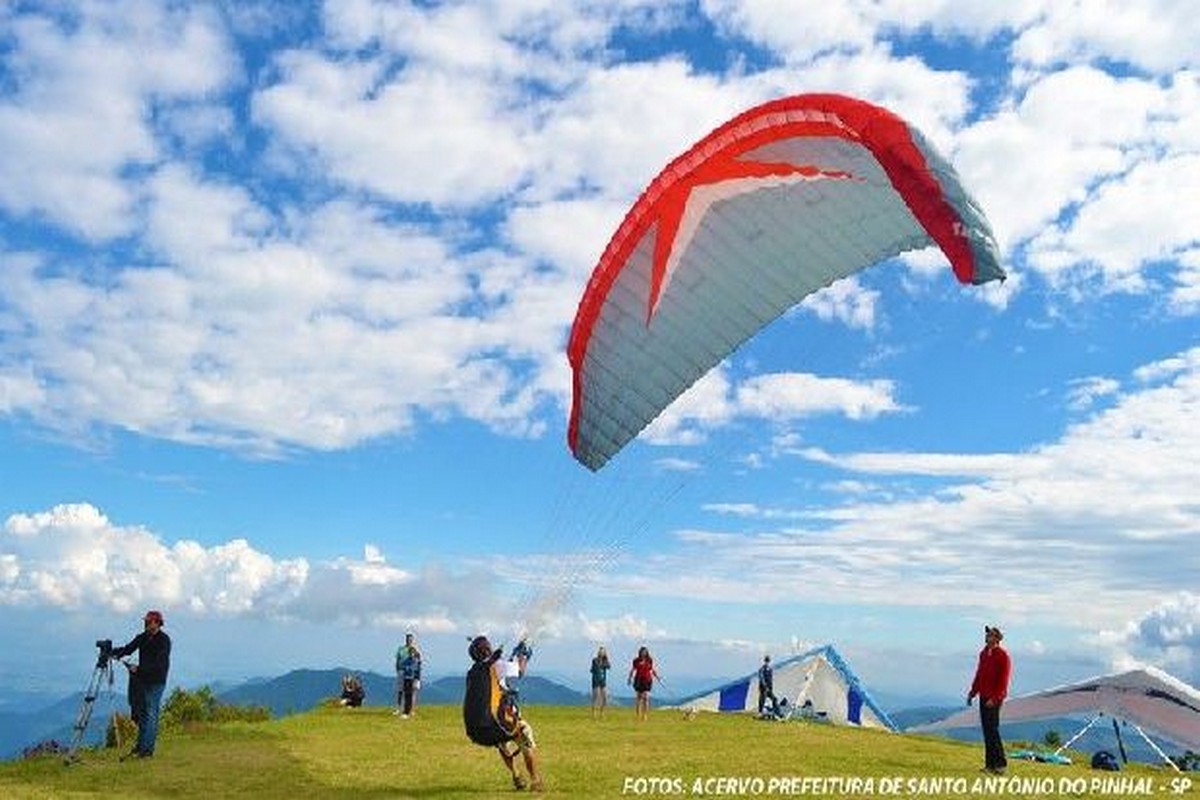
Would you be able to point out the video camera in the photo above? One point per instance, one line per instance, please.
(106, 652)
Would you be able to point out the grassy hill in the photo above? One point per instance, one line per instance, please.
(297, 691)
(368, 753)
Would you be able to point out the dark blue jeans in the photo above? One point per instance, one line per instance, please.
(148, 724)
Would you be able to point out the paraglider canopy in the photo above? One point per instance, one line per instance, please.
(780, 201)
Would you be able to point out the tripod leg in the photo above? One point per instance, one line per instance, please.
(85, 709)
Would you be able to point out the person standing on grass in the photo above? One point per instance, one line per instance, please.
(991, 685)
(153, 647)
(642, 676)
(600, 667)
(766, 687)
(408, 676)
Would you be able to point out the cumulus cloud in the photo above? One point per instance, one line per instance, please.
(845, 301)
(626, 626)
(1085, 392)
(95, 80)
(1152, 35)
(458, 149)
(1173, 624)
(74, 557)
(1168, 635)
(716, 400)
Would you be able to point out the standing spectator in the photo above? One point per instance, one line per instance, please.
(991, 684)
(408, 676)
(642, 676)
(600, 667)
(149, 679)
(766, 687)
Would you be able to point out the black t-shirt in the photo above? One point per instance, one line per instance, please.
(154, 656)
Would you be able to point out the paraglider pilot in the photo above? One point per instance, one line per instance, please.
(491, 715)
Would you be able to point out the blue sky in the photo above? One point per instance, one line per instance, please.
(284, 296)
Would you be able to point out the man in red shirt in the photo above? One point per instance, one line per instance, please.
(991, 684)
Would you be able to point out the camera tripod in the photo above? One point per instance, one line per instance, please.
(102, 672)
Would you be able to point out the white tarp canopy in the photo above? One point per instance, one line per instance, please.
(820, 676)
(1147, 697)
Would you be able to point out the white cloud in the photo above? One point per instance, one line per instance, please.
(1185, 294)
(677, 465)
(95, 80)
(782, 27)
(589, 144)
(786, 396)
(1155, 35)
(751, 511)
(1102, 520)
(1168, 635)
(1070, 130)
(1129, 225)
(626, 626)
(716, 400)
(459, 146)
(1084, 392)
(845, 301)
(399, 230)
(73, 557)
(1079, 160)
(239, 317)
(1174, 623)
(321, 335)
(485, 36)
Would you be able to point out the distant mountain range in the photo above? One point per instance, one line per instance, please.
(19, 729)
(302, 689)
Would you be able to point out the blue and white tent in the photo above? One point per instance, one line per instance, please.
(821, 676)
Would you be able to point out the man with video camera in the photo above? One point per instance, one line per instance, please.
(148, 679)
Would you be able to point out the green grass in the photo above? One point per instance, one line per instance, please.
(368, 753)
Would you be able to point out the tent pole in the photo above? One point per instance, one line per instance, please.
(1156, 748)
(1081, 732)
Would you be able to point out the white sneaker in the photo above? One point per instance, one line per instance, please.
(404, 716)
(395, 712)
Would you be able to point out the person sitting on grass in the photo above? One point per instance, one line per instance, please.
(353, 693)
(491, 715)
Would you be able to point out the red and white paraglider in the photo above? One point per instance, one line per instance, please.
(775, 204)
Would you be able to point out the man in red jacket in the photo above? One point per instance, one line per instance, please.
(991, 684)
